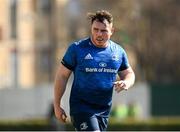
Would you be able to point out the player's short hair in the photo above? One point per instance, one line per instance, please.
(100, 16)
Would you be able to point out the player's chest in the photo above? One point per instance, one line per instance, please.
(99, 59)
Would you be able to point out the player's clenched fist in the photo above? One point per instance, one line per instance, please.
(60, 114)
(120, 85)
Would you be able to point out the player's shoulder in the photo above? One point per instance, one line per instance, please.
(81, 42)
(116, 46)
(78, 44)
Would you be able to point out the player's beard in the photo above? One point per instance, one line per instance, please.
(100, 42)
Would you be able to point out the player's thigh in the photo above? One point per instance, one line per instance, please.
(85, 123)
(103, 123)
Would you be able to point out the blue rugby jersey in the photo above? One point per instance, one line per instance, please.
(94, 71)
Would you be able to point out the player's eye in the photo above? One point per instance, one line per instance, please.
(103, 31)
(96, 30)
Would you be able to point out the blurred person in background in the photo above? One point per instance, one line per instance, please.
(95, 62)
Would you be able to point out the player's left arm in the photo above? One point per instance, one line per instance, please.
(127, 79)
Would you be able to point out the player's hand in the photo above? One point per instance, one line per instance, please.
(60, 114)
(120, 85)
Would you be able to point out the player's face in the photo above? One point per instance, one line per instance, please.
(101, 33)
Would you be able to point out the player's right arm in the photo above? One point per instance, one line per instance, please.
(61, 79)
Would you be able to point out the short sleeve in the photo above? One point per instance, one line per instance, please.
(69, 60)
(125, 62)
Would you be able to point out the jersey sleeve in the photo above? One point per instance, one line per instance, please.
(69, 60)
(125, 62)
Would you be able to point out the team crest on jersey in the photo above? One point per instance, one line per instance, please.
(115, 57)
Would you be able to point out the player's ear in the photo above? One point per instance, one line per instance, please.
(112, 30)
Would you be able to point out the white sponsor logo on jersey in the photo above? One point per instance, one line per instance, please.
(102, 64)
(88, 56)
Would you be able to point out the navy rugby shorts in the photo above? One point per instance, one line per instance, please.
(85, 122)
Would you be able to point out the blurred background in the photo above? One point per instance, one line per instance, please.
(34, 35)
